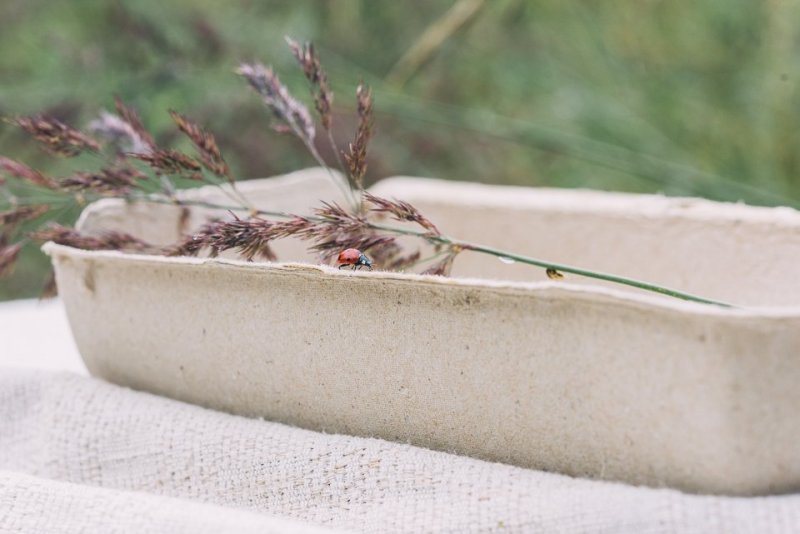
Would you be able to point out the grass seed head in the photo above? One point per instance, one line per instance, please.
(206, 144)
(57, 137)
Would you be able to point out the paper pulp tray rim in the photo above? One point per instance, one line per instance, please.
(546, 289)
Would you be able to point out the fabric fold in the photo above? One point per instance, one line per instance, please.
(35, 505)
(85, 439)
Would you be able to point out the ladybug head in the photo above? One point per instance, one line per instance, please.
(364, 260)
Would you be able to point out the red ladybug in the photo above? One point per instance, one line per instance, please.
(354, 257)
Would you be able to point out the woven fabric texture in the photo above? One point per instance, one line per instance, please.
(81, 455)
(35, 505)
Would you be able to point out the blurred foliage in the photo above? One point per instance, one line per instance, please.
(680, 97)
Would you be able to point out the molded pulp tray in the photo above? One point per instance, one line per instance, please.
(496, 362)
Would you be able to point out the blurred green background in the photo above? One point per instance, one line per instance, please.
(684, 97)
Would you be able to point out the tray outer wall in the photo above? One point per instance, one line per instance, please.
(580, 382)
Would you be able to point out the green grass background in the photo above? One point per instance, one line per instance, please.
(684, 97)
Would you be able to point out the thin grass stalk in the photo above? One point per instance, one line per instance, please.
(468, 246)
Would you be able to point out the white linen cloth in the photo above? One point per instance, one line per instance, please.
(82, 455)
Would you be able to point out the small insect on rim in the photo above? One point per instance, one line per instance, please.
(354, 257)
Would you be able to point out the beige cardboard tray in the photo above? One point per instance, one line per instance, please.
(497, 362)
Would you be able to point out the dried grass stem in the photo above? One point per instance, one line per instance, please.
(468, 246)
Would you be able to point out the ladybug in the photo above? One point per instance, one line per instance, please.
(354, 257)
